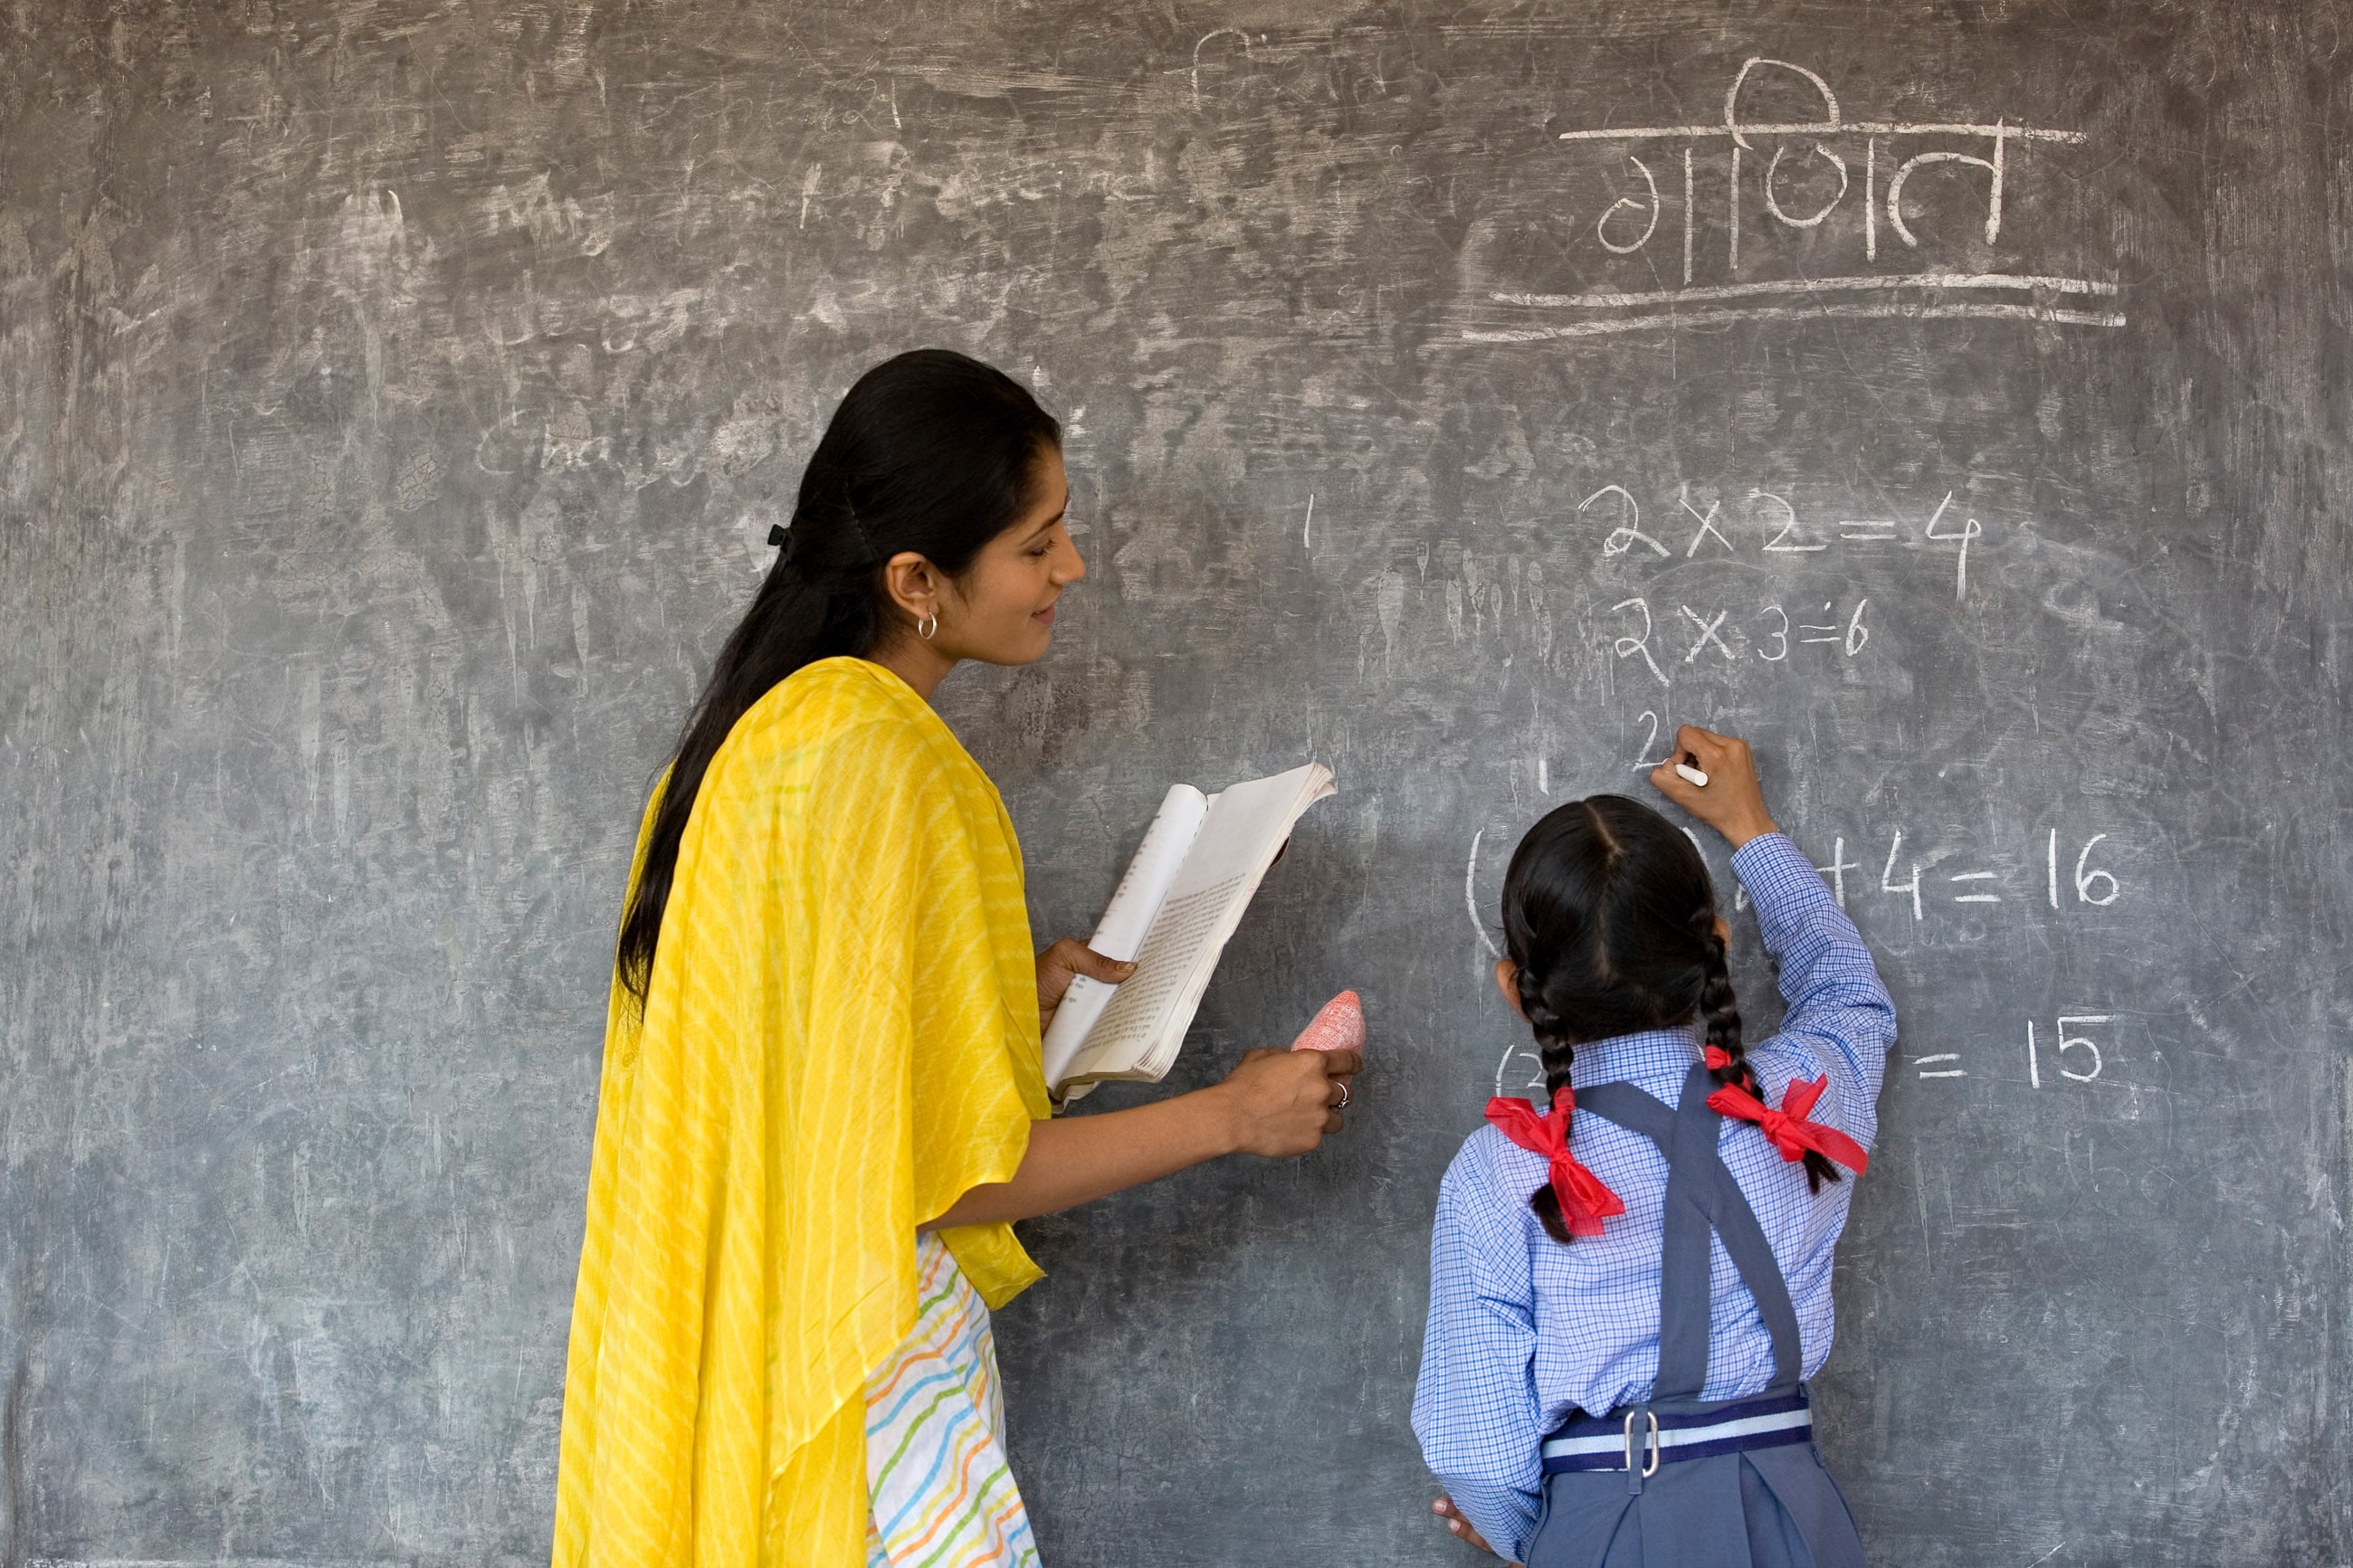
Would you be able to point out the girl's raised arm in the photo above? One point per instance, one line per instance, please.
(1841, 1019)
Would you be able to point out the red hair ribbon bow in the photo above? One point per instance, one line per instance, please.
(1585, 1199)
(1788, 1128)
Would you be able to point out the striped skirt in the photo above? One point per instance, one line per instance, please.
(944, 1497)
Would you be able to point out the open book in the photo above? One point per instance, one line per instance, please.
(1173, 912)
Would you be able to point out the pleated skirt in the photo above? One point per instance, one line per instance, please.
(1770, 1508)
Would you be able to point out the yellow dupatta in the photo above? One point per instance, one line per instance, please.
(840, 1039)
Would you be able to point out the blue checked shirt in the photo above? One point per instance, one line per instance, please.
(1524, 1331)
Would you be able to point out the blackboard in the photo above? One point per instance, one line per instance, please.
(1951, 396)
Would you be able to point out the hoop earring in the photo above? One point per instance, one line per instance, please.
(929, 625)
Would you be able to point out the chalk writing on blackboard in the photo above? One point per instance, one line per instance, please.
(1690, 191)
(1776, 631)
(2069, 1053)
(1471, 898)
(2076, 1067)
(2088, 886)
(1972, 886)
(1770, 524)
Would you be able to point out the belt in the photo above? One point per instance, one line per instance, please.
(1639, 1437)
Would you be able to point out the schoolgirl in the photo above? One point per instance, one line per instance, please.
(1629, 1290)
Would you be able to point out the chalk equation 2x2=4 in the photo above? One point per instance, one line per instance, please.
(1769, 524)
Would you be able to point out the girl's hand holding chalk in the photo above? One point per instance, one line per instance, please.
(1714, 777)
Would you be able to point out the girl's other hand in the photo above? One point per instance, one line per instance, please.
(1732, 801)
(1065, 962)
(1286, 1102)
(1456, 1524)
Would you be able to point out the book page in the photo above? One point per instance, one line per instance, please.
(1123, 1040)
(1140, 1033)
(1135, 903)
(1128, 919)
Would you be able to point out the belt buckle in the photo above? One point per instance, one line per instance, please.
(1650, 1442)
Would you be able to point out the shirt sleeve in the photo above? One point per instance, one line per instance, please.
(1841, 1021)
(1475, 1405)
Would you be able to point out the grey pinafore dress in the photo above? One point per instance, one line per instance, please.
(1768, 1502)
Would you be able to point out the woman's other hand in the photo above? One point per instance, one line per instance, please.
(1065, 962)
(1274, 1103)
(1732, 801)
(1287, 1103)
(1458, 1526)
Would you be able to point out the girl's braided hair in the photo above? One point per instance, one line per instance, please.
(1609, 919)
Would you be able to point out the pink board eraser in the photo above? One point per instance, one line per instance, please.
(1340, 1027)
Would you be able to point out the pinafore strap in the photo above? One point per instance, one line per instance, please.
(1702, 1198)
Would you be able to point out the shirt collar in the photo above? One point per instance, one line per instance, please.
(1651, 1053)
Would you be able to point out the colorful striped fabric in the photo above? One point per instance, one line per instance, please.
(935, 1438)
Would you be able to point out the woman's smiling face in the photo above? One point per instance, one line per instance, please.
(1002, 610)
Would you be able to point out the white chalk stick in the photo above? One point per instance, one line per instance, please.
(1691, 773)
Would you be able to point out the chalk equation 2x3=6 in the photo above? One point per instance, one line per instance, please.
(1767, 634)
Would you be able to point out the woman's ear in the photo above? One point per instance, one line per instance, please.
(1723, 932)
(1507, 981)
(914, 584)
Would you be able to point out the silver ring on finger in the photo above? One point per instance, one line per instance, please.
(1342, 1104)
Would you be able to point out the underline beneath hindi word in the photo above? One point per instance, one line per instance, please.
(1817, 127)
(1813, 286)
(1979, 309)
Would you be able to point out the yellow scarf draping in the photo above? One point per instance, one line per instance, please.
(840, 1039)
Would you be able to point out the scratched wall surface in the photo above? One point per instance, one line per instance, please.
(394, 396)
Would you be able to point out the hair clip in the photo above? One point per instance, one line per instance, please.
(777, 537)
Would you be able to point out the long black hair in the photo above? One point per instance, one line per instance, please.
(1609, 916)
(930, 451)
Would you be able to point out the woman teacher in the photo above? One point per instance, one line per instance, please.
(822, 1102)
